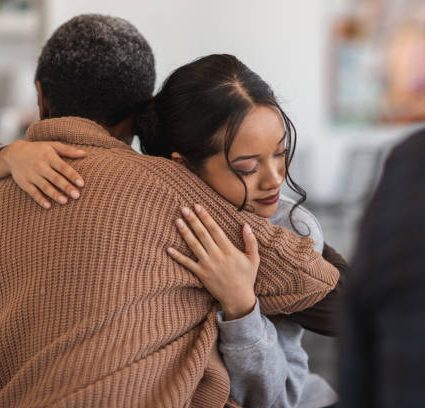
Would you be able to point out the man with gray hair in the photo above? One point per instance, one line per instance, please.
(95, 67)
(93, 312)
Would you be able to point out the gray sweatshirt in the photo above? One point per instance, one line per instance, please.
(267, 364)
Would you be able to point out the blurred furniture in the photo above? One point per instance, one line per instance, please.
(354, 183)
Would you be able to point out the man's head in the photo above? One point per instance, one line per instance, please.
(97, 67)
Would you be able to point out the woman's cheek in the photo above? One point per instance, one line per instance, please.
(234, 192)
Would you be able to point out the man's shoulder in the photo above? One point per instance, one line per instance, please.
(128, 164)
(125, 170)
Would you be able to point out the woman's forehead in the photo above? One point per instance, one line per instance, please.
(262, 127)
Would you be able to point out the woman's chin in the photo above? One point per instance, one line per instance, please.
(265, 211)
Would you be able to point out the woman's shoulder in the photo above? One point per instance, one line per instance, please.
(304, 221)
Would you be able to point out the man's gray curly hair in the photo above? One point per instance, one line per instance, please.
(97, 67)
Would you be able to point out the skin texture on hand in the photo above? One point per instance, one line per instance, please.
(38, 169)
(226, 272)
(4, 168)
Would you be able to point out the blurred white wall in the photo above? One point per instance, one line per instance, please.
(283, 40)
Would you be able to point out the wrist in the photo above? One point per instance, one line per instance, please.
(239, 308)
(5, 152)
(4, 163)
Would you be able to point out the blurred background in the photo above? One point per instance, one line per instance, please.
(349, 73)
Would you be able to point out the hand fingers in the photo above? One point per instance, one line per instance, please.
(67, 171)
(45, 187)
(251, 245)
(190, 239)
(184, 260)
(212, 227)
(199, 230)
(70, 175)
(68, 151)
(35, 194)
(60, 182)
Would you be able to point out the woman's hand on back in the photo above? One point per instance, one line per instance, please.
(39, 170)
(226, 272)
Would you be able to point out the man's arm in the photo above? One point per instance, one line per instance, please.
(276, 248)
(323, 317)
(33, 155)
(291, 277)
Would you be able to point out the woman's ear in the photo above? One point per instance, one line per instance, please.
(43, 108)
(178, 158)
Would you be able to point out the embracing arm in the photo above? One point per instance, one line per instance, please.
(323, 317)
(38, 169)
(266, 362)
(3, 166)
(292, 277)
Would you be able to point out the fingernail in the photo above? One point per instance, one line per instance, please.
(185, 211)
(248, 229)
(180, 223)
(79, 182)
(170, 250)
(46, 204)
(81, 151)
(198, 208)
(62, 200)
(75, 194)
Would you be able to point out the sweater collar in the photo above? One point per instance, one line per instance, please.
(73, 130)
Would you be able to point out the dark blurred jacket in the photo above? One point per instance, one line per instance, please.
(382, 359)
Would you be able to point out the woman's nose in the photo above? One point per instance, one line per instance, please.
(272, 178)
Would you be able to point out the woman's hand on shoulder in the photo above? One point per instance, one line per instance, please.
(38, 169)
(226, 272)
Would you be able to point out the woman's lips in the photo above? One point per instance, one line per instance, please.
(269, 200)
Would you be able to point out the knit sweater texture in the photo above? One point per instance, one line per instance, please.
(94, 313)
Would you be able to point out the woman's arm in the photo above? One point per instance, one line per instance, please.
(3, 166)
(267, 367)
(266, 363)
(38, 169)
(226, 272)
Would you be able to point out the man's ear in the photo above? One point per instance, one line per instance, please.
(178, 158)
(43, 107)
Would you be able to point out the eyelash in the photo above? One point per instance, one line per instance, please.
(246, 173)
(249, 172)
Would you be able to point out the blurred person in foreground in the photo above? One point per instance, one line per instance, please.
(382, 353)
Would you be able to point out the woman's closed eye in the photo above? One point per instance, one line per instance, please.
(246, 167)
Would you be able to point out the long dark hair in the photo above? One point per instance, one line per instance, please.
(200, 98)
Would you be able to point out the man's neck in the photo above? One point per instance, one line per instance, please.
(123, 130)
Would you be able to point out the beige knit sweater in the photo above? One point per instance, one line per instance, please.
(94, 313)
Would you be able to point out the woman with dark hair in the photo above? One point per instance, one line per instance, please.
(222, 121)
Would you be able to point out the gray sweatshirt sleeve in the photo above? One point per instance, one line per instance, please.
(266, 369)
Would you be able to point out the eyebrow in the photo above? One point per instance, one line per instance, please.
(253, 156)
